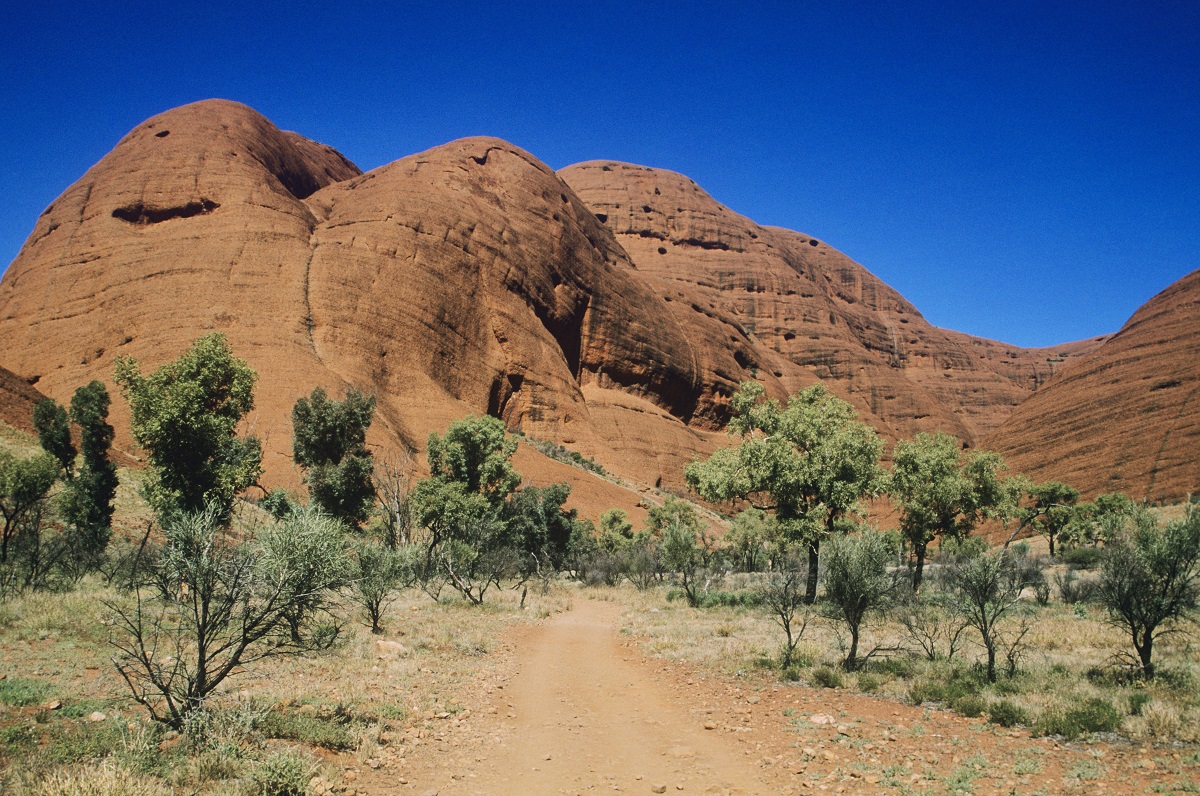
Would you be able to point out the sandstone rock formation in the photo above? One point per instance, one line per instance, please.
(17, 400)
(1126, 416)
(811, 312)
(609, 307)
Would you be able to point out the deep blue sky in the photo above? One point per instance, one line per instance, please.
(1028, 172)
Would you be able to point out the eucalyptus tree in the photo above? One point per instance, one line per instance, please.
(942, 491)
(809, 462)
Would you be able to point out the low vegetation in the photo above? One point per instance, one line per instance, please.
(226, 640)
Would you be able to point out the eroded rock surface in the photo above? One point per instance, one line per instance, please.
(1126, 416)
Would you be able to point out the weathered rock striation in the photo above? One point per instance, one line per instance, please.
(811, 312)
(1126, 416)
(609, 307)
(17, 400)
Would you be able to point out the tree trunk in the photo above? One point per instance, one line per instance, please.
(814, 560)
(852, 658)
(1051, 538)
(919, 572)
(1144, 651)
(991, 653)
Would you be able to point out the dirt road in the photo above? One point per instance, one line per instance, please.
(570, 706)
(578, 715)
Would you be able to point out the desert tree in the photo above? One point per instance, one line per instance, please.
(329, 443)
(942, 492)
(1050, 510)
(810, 463)
(24, 485)
(54, 433)
(222, 603)
(461, 504)
(986, 591)
(857, 582)
(1150, 582)
(379, 570)
(393, 480)
(751, 540)
(676, 526)
(186, 414)
(783, 595)
(88, 498)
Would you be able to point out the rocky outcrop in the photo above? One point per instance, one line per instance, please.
(17, 400)
(611, 308)
(810, 312)
(1126, 416)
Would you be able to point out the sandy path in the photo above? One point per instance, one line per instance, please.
(570, 706)
(578, 713)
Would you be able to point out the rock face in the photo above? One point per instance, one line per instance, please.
(1126, 416)
(17, 400)
(609, 307)
(809, 311)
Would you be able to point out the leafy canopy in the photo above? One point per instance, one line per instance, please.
(329, 442)
(185, 414)
(810, 462)
(942, 492)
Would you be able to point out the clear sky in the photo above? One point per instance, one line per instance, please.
(1025, 171)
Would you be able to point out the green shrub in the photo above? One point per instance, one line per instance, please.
(1006, 713)
(1137, 701)
(896, 667)
(1094, 715)
(970, 705)
(868, 683)
(729, 599)
(285, 773)
(827, 677)
(1082, 557)
(329, 733)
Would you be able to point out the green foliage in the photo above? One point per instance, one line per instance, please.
(1150, 581)
(752, 540)
(476, 453)
(565, 455)
(185, 414)
(1006, 713)
(24, 484)
(826, 677)
(54, 433)
(942, 492)
(87, 502)
(329, 442)
(1109, 515)
(278, 503)
(23, 691)
(379, 571)
(328, 731)
(857, 582)
(987, 591)
(284, 773)
(1050, 510)
(223, 603)
(1093, 715)
(811, 463)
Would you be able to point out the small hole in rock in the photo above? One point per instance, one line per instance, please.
(662, 250)
(163, 134)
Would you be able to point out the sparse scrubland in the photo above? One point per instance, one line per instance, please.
(203, 642)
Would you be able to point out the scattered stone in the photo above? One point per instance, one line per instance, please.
(658, 788)
(710, 725)
(53, 704)
(96, 715)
